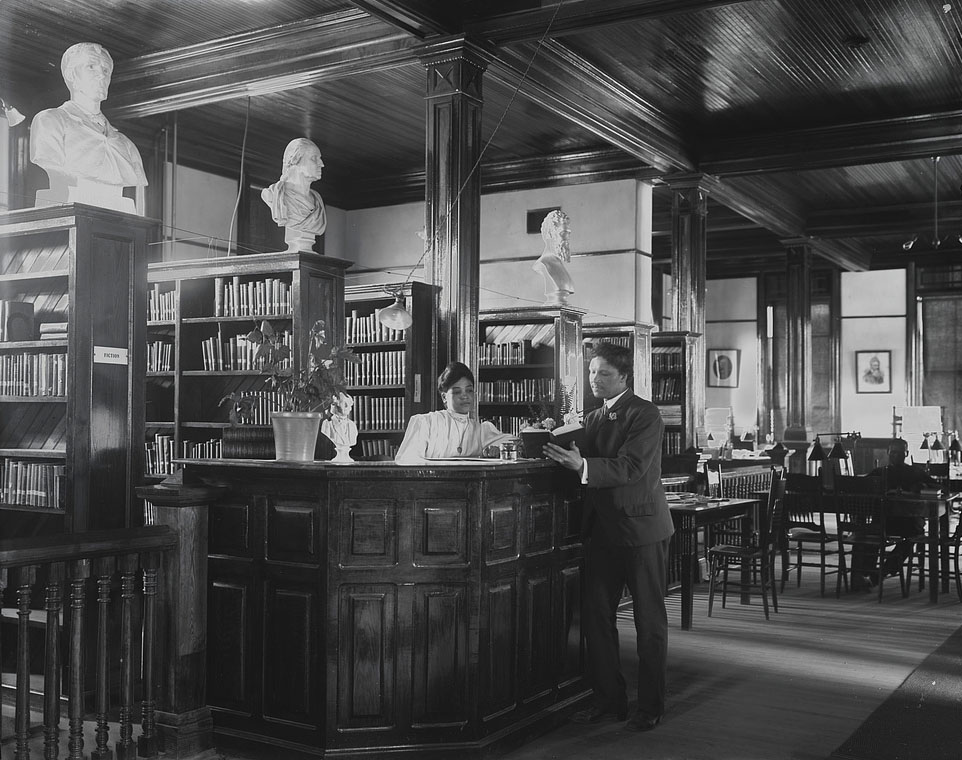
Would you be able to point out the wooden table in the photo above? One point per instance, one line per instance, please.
(689, 517)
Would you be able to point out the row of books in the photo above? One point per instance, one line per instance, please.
(159, 455)
(667, 388)
(160, 356)
(512, 425)
(516, 352)
(666, 359)
(35, 484)
(161, 304)
(380, 368)
(672, 443)
(615, 340)
(259, 406)
(521, 390)
(16, 320)
(366, 328)
(28, 375)
(379, 413)
(536, 334)
(253, 298)
(211, 449)
(236, 353)
(377, 448)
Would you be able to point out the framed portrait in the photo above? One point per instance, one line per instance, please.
(873, 371)
(723, 367)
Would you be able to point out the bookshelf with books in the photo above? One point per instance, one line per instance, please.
(390, 382)
(678, 388)
(198, 314)
(633, 335)
(530, 363)
(72, 348)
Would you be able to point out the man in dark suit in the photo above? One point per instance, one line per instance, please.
(627, 525)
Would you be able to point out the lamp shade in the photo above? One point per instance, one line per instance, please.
(925, 443)
(817, 454)
(395, 316)
(954, 447)
(937, 444)
(838, 452)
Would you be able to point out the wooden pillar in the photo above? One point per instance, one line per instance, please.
(183, 720)
(689, 245)
(453, 195)
(798, 333)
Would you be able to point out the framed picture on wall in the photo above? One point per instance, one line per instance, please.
(723, 366)
(873, 371)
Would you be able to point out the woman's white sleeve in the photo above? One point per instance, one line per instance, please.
(414, 445)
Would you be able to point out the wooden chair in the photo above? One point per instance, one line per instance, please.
(805, 528)
(756, 561)
(860, 518)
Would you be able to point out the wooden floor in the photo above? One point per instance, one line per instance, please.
(741, 688)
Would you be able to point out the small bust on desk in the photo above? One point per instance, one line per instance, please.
(340, 428)
(85, 158)
(294, 205)
(555, 230)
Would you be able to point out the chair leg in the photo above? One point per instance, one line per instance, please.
(764, 586)
(842, 572)
(712, 570)
(771, 582)
(958, 572)
(798, 569)
(821, 549)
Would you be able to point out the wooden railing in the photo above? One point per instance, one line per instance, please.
(75, 574)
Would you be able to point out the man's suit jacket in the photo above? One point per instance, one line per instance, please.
(625, 503)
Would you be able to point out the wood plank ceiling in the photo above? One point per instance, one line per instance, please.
(816, 118)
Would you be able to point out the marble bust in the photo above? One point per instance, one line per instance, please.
(85, 158)
(340, 428)
(294, 205)
(555, 231)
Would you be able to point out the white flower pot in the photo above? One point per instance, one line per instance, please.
(295, 435)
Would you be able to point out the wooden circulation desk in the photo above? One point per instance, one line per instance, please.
(379, 610)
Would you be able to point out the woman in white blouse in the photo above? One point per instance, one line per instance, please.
(452, 432)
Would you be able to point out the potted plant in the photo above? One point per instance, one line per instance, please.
(306, 396)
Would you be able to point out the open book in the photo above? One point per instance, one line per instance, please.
(564, 435)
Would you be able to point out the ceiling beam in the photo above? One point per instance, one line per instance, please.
(579, 15)
(564, 83)
(866, 142)
(885, 220)
(257, 63)
(422, 18)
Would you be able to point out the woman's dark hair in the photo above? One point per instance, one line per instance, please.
(454, 372)
(618, 357)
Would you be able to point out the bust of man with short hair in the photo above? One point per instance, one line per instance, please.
(85, 158)
(555, 231)
(294, 205)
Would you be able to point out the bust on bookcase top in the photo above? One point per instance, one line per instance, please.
(85, 158)
(555, 230)
(294, 205)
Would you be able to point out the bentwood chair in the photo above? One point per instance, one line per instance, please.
(754, 563)
(806, 530)
(860, 518)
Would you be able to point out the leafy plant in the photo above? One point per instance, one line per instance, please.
(312, 388)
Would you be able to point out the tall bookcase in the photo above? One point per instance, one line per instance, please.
(71, 365)
(198, 311)
(632, 335)
(678, 388)
(527, 356)
(391, 382)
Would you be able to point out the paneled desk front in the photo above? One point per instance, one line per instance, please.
(376, 610)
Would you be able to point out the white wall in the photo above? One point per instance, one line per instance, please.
(731, 322)
(873, 318)
(200, 219)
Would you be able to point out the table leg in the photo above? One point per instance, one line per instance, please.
(934, 560)
(687, 541)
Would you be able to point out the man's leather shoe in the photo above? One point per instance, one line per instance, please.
(639, 722)
(598, 715)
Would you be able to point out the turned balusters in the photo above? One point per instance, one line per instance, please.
(51, 663)
(28, 576)
(105, 569)
(79, 572)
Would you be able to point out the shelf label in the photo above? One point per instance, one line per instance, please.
(106, 355)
